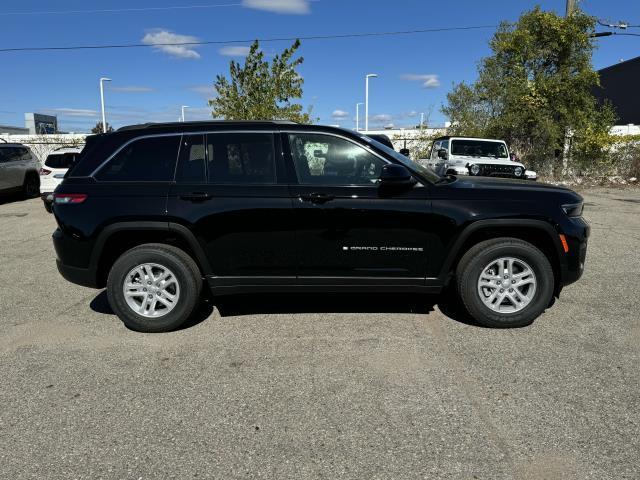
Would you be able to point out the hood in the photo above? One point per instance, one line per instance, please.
(486, 184)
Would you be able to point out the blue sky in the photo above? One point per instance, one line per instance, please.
(150, 84)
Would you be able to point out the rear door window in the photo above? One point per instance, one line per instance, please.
(60, 160)
(240, 158)
(192, 163)
(151, 159)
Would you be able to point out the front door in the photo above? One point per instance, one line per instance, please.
(348, 229)
(227, 189)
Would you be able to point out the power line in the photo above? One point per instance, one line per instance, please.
(263, 40)
(121, 10)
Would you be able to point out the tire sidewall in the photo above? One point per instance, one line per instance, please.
(544, 286)
(170, 321)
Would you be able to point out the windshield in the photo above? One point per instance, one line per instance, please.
(478, 148)
(425, 172)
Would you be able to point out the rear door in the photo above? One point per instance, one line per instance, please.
(349, 230)
(230, 192)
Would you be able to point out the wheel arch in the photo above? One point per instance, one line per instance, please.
(117, 238)
(537, 232)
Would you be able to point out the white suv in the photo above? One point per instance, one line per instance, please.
(55, 167)
(19, 169)
(475, 156)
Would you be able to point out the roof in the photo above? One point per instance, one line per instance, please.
(461, 137)
(205, 123)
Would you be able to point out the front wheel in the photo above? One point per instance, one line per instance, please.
(154, 287)
(505, 282)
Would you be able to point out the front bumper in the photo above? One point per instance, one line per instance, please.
(577, 236)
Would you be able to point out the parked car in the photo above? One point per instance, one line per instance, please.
(155, 211)
(19, 170)
(53, 171)
(485, 157)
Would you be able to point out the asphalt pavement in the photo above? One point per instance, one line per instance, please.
(320, 386)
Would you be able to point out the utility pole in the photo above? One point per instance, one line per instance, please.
(571, 6)
(366, 100)
(104, 119)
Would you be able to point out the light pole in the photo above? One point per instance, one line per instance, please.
(421, 120)
(366, 100)
(183, 107)
(104, 120)
(358, 116)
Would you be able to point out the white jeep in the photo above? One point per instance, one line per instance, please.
(19, 169)
(475, 156)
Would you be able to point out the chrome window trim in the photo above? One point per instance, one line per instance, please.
(173, 134)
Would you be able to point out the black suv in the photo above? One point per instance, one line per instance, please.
(151, 211)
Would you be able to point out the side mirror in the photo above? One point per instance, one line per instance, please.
(393, 175)
(442, 153)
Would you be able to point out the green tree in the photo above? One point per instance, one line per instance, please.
(261, 90)
(535, 91)
(98, 128)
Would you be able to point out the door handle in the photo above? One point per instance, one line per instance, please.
(317, 197)
(195, 196)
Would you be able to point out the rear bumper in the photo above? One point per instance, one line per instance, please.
(71, 261)
(80, 276)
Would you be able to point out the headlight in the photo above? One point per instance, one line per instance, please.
(518, 171)
(474, 169)
(573, 209)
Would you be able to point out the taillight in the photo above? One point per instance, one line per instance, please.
(64, 198)
(44, 171)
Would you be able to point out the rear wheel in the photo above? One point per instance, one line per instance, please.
(31, 185)
(154, 287)
(505, 282)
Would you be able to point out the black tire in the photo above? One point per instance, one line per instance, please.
(469, 270)
(31, 185)
(186, 272)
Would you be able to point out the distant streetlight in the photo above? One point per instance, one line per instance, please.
(183, 107)
(421, 120)
(358, 116)
(104, 120)
(366, 100)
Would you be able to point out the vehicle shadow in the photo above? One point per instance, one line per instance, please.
(100, 304)
(301, 303)
(12, 198)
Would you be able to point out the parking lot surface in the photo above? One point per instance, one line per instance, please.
(320, 386)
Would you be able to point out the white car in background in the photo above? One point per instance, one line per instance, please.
(18, 169)
(485, 157)
(53, 171)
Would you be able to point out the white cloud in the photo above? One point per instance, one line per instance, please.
(131, 89)
(339, 114)
(428, 80)
(206, 90)
(382, 117)
(163, 39)
(291, 7)
(234, 51)
(412, 114)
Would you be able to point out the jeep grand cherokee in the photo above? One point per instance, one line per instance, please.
(155, 211)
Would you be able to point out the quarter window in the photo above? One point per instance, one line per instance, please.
(146, 160)
(241, 158)
(329, 160)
